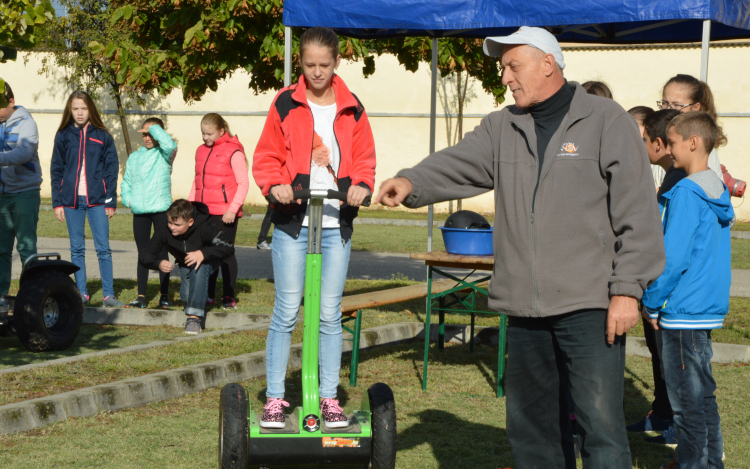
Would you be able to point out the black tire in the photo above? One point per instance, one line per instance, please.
(233, 430)
(383, 418)
(48, 312)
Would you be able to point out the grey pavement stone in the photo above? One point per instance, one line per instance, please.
(740, 234)
(163, 386)
(79, 404)
(16, 418)
(47, 410)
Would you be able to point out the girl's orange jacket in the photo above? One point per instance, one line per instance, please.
(284, 151)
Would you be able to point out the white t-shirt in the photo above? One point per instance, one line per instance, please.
(324, 163)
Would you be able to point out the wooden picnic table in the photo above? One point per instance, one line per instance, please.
(462, 300)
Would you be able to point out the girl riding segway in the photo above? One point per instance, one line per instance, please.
(316, 136)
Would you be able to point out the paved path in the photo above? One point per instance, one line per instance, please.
(252, 262)
(257, 264)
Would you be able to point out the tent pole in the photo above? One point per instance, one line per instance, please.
(287, 56)
(704, 49)
(433, 114)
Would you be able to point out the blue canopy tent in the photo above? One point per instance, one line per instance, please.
(583, 21)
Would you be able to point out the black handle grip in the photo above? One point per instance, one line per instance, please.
(305, 194)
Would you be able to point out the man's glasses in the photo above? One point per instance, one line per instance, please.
(668, 105)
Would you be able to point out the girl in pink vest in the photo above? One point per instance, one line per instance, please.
(221, 182)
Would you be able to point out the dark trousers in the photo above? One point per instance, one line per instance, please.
(686, 358)
(266, 225)
(19, 214)
(660, 406)
(229, 265)
(142, 233)
(542, 352)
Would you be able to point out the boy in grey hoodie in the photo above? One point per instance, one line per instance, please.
(20, 182)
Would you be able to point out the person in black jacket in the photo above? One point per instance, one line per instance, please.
(198, 247)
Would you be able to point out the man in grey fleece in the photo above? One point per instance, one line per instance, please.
(20, 182)
(577, 238)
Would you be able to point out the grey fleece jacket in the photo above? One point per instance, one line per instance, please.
(593, 229)
(19, 160)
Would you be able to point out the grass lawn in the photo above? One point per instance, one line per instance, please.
(91, 338)
(456, 424)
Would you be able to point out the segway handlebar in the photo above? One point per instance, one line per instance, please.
(306, 194)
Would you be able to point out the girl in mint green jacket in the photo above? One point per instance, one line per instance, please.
(147, 190)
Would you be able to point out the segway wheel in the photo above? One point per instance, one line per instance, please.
(383, 418)
(233, 430)
(49, 312)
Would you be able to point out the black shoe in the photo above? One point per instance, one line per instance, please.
(229, 303)
(164, 302)
(138, 303)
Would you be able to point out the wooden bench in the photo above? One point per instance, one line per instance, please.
(352, 306)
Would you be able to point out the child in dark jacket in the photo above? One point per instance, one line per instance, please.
(84, 173)
(198, 246)
(691, 297)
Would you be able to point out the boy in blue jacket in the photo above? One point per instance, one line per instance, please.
(691, 297)
(20, 182)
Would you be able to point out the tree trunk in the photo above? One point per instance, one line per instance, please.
(461, 99)
(123, 121)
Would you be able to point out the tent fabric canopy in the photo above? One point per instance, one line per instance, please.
(595, 21)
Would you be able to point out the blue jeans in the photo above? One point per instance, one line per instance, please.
(75, 219)
(194, 288)
(288, 256)
(686, 361)
(542, 353)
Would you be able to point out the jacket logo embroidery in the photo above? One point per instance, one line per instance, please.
(569, 148)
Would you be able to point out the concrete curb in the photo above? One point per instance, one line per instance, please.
(740, 234)
(130, 348)
(166, 317)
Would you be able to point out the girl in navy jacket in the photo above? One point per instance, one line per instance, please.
(84, 183)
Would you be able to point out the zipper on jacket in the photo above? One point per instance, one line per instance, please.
(203, 176)
(224, 192)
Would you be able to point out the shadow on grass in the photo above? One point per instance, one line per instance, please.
(91, 338)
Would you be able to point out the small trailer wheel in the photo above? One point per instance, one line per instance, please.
(48, 311)
(233, 428)
(383, 407)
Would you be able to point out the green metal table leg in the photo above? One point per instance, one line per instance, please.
(428, 309)
(441, 324)
(355, 349)
(473, 308)
(501, 342)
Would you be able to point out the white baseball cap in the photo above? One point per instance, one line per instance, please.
(534, 37)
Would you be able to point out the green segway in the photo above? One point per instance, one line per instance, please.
(370, 438)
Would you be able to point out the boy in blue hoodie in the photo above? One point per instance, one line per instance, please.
(20, 182)
(691, 297)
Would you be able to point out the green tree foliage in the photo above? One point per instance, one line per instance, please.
(192, 44)
(17, 21)
(69, 37)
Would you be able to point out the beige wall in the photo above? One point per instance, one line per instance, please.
(635, 76)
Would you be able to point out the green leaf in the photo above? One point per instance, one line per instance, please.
(110, 50)
(127, 12)
(117, 15)
(96, 47)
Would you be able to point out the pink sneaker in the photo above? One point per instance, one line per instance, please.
(333, 414)
(273, 413)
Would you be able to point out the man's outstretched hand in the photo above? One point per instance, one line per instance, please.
(393, 192)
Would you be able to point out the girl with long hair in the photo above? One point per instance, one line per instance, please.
(316, 136)
(84, 173)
